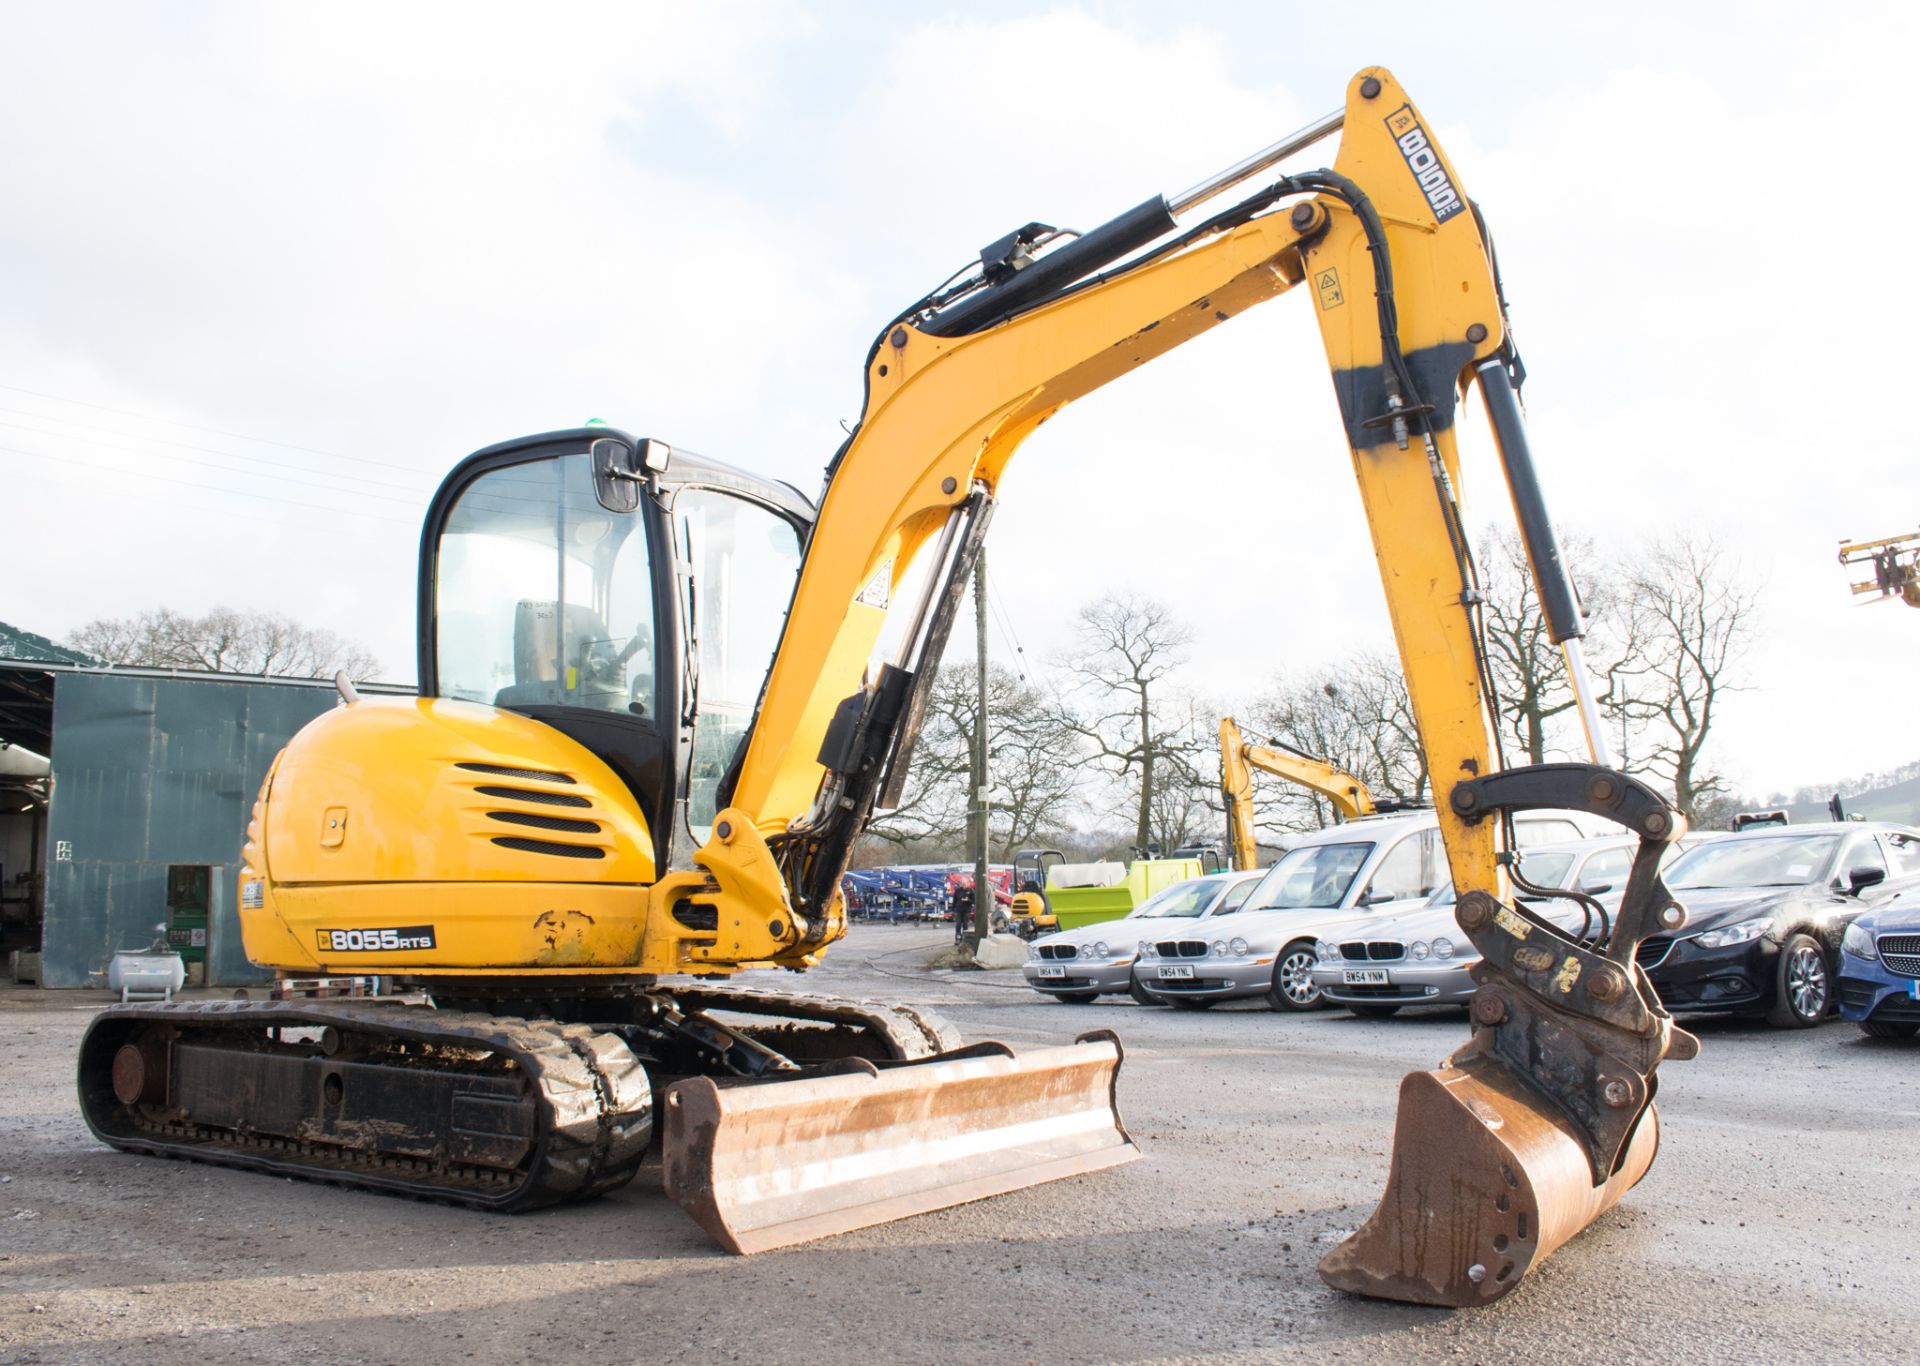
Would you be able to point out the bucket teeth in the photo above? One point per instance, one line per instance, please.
(764, 1164)
(1485, 1184)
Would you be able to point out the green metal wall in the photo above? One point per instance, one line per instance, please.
(149, 772)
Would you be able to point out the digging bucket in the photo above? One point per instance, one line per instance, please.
(1486, 1181)
(761, 1165)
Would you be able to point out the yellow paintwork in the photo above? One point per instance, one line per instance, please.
(1033, 906)
(943, 416)
(1237, 760)
(367, 822)
(1444, 286)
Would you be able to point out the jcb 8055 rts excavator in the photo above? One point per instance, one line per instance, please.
(650, 729)
(1346, 794)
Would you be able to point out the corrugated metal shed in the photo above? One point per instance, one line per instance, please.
(151, 770)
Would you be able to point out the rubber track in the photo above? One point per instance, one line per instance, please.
(592, 1131)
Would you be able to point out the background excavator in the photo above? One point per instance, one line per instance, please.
(1238, 758)
(1896, 566)
(651, 726)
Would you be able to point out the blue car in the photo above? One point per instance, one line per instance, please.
(1880, 970)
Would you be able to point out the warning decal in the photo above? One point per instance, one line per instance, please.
(879, 589)
(1327, 284)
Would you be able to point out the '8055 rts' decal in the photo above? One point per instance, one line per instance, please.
(375, 941)
(1424, 162)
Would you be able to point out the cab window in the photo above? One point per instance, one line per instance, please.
(741, 561)
(1607, 869)
(1236, 896)
(542, 597)
(1544, 830)
(1863, 853)
(1903, 853)
(1409, 870)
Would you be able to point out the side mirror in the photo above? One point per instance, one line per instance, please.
(615, 480)
(1863, 877)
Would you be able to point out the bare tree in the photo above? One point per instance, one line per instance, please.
(1684, 626)
(1033, 761)
(1356, 715)
(1529, 671)
(1127, 648)
(223, 641)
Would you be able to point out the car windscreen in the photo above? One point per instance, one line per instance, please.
(1774, 861)
(1314, 875)
(1183, 900)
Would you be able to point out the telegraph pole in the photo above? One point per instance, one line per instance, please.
(983, 904)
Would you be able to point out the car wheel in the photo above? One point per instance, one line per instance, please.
(1803, 987)
(1374, 1012)
(1293, 987)
(1140, 994)
(1889, 1029)
(1193, 1002)
(1076, 998)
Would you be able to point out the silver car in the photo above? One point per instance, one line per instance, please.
(1423, 958)
(1081, 964)
(1364, 871)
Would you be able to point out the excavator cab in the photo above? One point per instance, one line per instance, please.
(626, 594)
(1032, 913)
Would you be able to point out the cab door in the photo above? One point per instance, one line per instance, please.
(1411, 871)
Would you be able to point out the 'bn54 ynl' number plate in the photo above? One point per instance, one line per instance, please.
(1182, 972)
(1053, 972)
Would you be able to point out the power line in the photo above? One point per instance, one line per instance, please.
(195, 427)
(414, 501)
(185, 446)
(50, 475)
(1020, 650)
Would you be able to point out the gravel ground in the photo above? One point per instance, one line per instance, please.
(1779, 1223)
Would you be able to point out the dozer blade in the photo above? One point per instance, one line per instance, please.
(764, 1164)
(1486, 1182)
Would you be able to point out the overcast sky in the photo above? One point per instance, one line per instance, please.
(268, 271)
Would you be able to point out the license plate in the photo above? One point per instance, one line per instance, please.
(1184, 974)
(1053, 972)
(1364, 977)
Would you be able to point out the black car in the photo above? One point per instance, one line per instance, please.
(1766, 909)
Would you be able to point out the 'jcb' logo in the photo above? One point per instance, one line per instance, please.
(1424, 162)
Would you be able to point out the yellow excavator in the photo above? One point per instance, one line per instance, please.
(651, 726)
(1238, 758)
